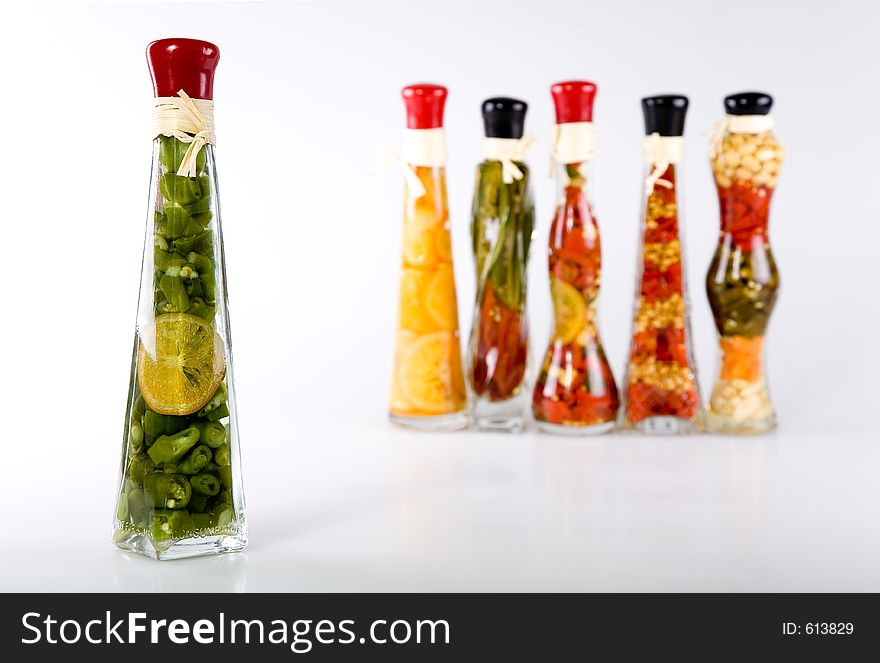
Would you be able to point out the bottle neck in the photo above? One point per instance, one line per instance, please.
(573, 181)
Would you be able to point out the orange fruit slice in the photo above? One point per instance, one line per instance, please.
(440, 299)
(414, 285)
(179, 374)
(444, 244)
(429, 369)
(399, 404)
(569, 309)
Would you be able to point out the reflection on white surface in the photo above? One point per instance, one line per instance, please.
(222, 573)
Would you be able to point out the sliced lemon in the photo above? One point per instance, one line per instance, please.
(440, 299)
(428, 372)
(185, 366)
(569, 308)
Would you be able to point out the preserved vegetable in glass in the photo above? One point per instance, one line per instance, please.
(502, 223)
(742, 281)
(180, 489)
(427, 384)
(575, 392)
(661, 394)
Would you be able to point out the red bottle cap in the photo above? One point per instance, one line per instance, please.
(183, 64)
(574, 101)
(424, 105)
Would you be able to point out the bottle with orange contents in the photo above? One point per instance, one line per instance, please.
(661, 394)
(575, 393)
(742, 281)
(427, 385)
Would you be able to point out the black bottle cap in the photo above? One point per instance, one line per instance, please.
(748, 103)
(664, 114)
(504, 117)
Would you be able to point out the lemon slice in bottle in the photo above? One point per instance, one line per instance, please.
(570, 310)
(440, 299)
(183, 369)
(427, 374)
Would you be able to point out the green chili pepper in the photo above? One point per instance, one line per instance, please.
(201, 520)
(202, 220)
(222, 516)
(198, 502)
(208, 286)
(225, 473)
(199, 308)
(205, 484)
(219, 413)
(222, 455)
(171, 491)
(212, 433)
(204, 243)
(137, 508)
(175, 292)
(138, 408)
(139, 466)
(203, 264)
(135, 437)
(169, 449)
(199, 207)
(156, 424)
(178, 189)
(196, 460)
(184, 245)
(122, 512)
(169, 524)
(218, 399)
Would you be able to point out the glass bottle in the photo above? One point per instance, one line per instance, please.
(180, 489)
(575, 393)
(427, 385)
(502, 223)
(742, 281)
(662, 394)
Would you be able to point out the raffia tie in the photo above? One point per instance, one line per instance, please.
(661, 151)
(188, 120)
(507, 151)
(421, 147)
(737, 124)
(571, 142)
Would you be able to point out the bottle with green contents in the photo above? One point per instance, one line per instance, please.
(180, 489)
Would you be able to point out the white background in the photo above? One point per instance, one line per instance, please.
(307, 93)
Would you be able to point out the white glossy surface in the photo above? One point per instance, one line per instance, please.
(337, 498)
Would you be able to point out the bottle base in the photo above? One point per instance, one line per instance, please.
(137, 542)
(499, 424)
(440, 422)
(576, 431)
(664, 425)
(723, 425)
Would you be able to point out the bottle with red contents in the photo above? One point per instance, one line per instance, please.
(427, 385)
(180, 488)
(502, 223)
(742, 281)
(575, 392)
(661, 394)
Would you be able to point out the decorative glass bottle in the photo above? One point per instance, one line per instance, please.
(575, 392)
(427, 386)
(180, 488)
(661, 393)
(742, 281)
(501, 229)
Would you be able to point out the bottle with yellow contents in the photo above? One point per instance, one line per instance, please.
(427, 385)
